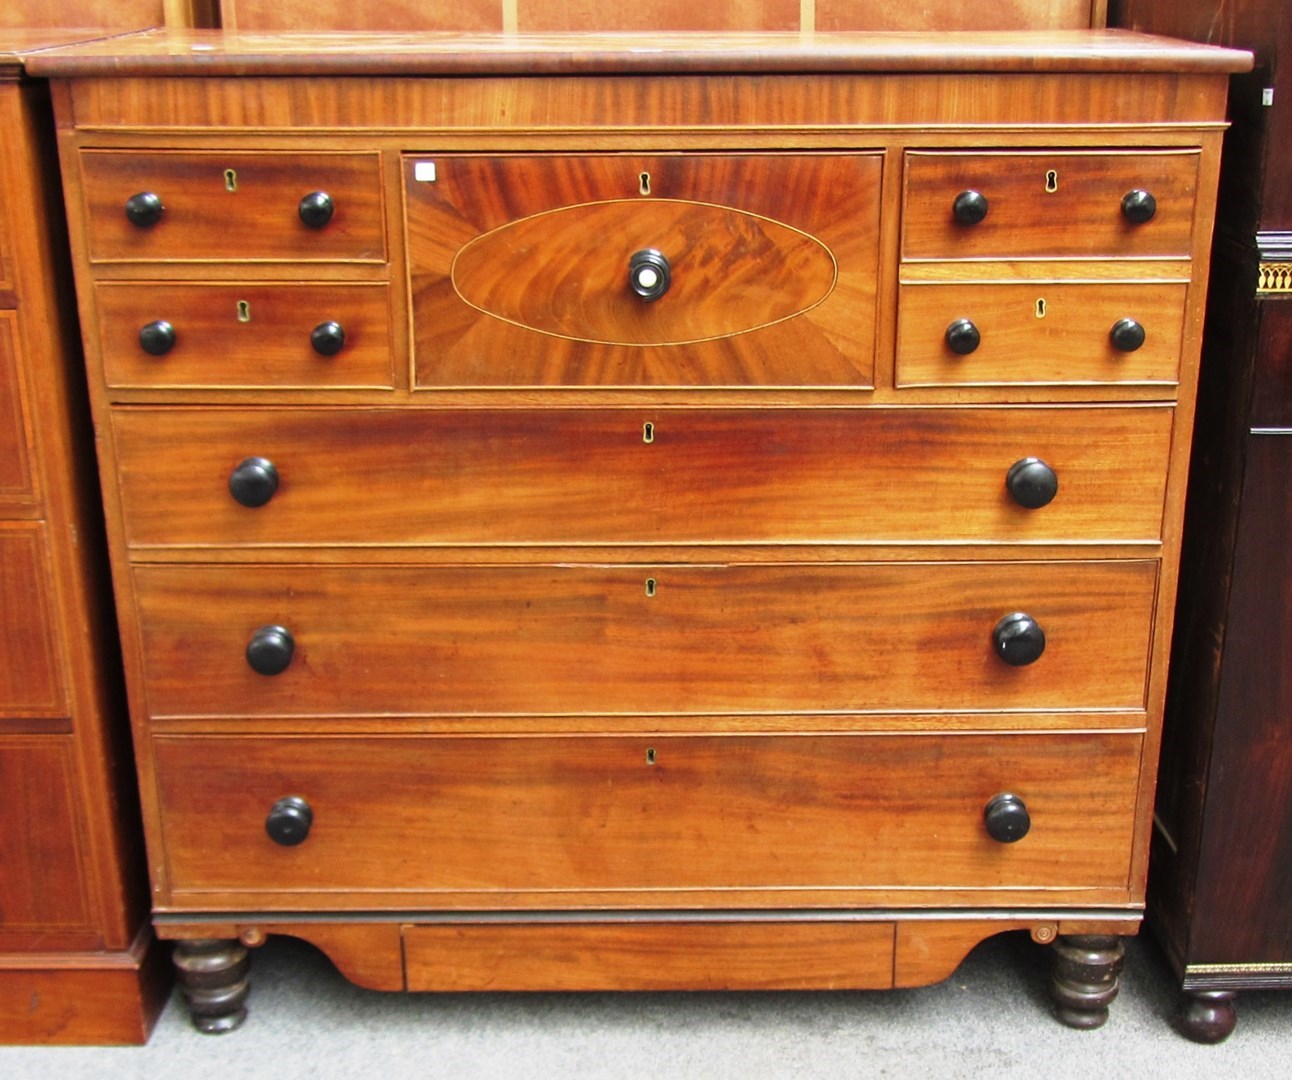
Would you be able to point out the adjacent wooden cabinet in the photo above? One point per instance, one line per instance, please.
(1221, 884)
(696, 516)
(78, 960)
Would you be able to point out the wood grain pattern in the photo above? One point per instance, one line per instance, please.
(586, 640)
(1081, 218)
(586, 476)
(651, 956)
(948, 15)
(391, 15)
(16, 480)
(30, 667)
(1069, 343)
(519, 269)
(573, 814)
(61, 14)
(267, 344)
(204, 220)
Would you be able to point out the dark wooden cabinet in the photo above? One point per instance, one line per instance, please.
(1220, 887)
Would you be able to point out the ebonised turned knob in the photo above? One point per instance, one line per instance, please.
(1138, 206)
(1019, 639)
(969, 207)
(316, 209)
(963, 337)
(157, 338)
(649, 273)
(253, 481)
(1032, 483)
(270, 649)
(1126, 335)
(328, 338)
(144, 210)
(1006, 818)
(289, 821)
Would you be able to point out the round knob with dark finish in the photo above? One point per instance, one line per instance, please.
(157, 338)
(1019, 639)
(649, 273)
(270, 649)
(963, 337)
(289, 821)
(316, 209)
(1006, 818)
(253, 482)
(1138, 206)
(1032, 483)
(144, 210)
(1126, 335)
(969, 207)
(328, 338)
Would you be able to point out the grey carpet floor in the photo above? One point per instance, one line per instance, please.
(991, 1019)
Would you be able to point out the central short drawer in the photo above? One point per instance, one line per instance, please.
(633, 476)
(600, 640)
(679, 813)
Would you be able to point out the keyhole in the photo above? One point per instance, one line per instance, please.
(244, 311)
(1051, 181)
(648, 432)
(1040, 308)
(645, 183)
(650, 755)
(230, 180)
(650, 586)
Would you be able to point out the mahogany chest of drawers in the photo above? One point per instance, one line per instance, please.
(703, 512)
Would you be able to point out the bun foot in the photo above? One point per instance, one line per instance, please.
(1208, 1016)
(213, 977)
(1085, 978)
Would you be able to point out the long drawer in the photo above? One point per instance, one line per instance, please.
(668, 812)
(518, 476)
(372, 640)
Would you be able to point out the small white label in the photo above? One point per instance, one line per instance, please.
(1267, 96)
(424, 172)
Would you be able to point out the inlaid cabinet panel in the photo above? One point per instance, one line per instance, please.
(30, 670)
(15, 467)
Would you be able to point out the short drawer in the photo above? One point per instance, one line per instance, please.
(597, 640)
(238, 477)
(674, 813)
(30, 681)
(644, 270)
(1049, 205)
(195, 206)
(1048, 333)
(321, 335)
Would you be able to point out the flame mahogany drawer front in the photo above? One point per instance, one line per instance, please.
(154, 334)
(1056, 205)
(415, 814)
(304, 640)
(238, 477)
(180, 206)
(631, 269)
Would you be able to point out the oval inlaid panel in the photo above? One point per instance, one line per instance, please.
(565, 272)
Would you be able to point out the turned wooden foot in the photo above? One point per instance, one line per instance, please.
(1084, 982)
(213, 976)
(1208, 1016)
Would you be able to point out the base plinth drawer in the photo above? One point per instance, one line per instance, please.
(640, 475)
(192, 206)
(336, 640)
(651, 812)
(1049, 205)
(319, 335)
(1048, 333)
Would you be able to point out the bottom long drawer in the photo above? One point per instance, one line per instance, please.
(571, 814)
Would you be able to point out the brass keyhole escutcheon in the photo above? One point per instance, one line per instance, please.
(648, 432)
(1040, 308)
(244, 311)
(230, 180)
(644, 183)
(650, 586)
(1051, 181)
